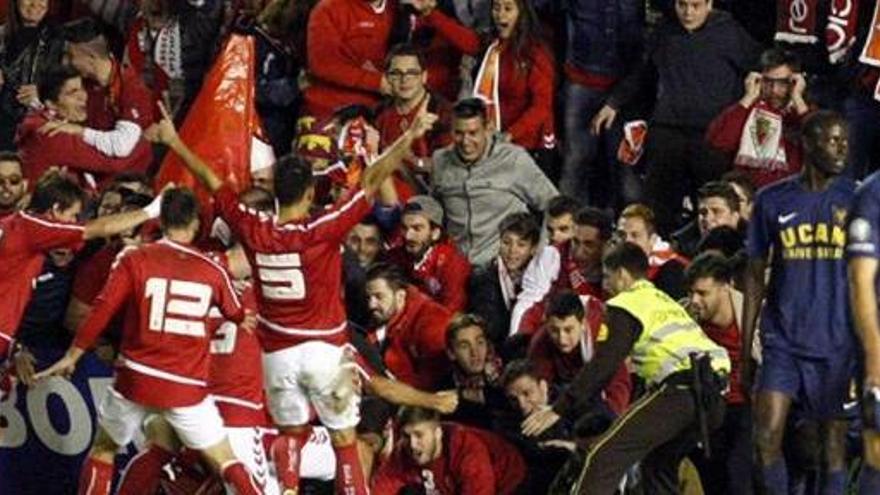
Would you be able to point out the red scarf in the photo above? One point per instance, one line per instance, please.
(840, 32)
(871, 52)
(797, 21)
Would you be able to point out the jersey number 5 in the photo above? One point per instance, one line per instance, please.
(281, 276)
(175, 298)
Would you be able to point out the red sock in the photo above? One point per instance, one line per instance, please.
(238, 476)
(95, 477)
(141, 475)
(350, 478)
(286, 455)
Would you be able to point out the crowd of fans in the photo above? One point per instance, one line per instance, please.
(537, 138)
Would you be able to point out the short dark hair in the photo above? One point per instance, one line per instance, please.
(594, 217)
(709, 265)
(818, 122)
(460, 322)
(468, 108)
(55, 187)
(392, 274)
(179, 208)
(517, 369)
(293, 177)
(723, 238)
(719, 189)
(10, 156)
(409, 415)
(53, 80)
(739, 178)
(562, 204)
(522, 224)
(87, 31)
(565, 304)
(405, 50)
(258, 199)
(628, 256)
(353, 111)
(777, 57)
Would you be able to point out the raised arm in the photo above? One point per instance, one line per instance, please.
(167, 134)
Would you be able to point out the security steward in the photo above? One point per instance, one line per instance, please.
(684, 373)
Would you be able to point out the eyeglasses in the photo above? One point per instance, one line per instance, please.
(780, 81)
(11, 181)
(400, 74)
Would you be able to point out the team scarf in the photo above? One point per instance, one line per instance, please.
(871, 52)
(760, 144)
(797, 21)
(486, 84)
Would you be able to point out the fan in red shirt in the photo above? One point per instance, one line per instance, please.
(407, 76)
(411, 328)
(448, 459)
(516, 74)
(760, 131)
(55, 136)
(13, 185)
(347, 41)
(297, 262)
(574, 265)
(430, 258)
(566, 342)
(48, 223)
(166, 289)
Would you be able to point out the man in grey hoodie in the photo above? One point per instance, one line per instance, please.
(480, 180)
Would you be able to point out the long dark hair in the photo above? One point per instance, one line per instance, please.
(526, 33)
(13, 19)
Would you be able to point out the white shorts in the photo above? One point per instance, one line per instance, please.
(198, 427)
(317, 459)
(312, 374)
(247, 445)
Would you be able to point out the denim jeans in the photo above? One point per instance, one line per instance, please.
(862, 115)
(590, 170)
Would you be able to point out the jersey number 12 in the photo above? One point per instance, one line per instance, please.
(171, 299)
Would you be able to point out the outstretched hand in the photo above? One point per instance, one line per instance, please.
(424, 120)
(63, 367)
(162, 132)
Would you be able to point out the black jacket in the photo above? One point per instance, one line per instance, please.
(692, 75)
(486, 300)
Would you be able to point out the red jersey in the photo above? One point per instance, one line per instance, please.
(560, 369)
(442, 272)
(236, 377)
(125, 98)
(414, 342)
(472, 462)
(729, 338)
(24, 240)
(167, 290)
(93, 272)
(297, 268)
(391, 124)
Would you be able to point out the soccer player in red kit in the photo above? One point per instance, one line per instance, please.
(167, 289)
(448, 459)
(48, 223)
(297, 263)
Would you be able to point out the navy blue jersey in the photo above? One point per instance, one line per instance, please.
(864, 225)
(807, 307)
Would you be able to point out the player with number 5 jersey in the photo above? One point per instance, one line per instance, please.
(296, 257)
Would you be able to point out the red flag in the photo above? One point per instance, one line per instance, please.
(222, 125)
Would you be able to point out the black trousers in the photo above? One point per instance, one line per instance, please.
(679, 162)
(729, 470)
(659, 429)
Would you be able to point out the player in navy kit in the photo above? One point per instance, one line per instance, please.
(863, 252)
(806, 332)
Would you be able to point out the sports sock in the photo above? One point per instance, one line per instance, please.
(238, 476)
(286, 456)
(350, 478)
(141, 475)
(834, 482)
(95, 477)
(869, 480)
(776, 478)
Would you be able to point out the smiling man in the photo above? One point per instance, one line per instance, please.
(480, 180)
(12, 184)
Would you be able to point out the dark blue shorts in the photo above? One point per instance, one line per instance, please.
(818, 387)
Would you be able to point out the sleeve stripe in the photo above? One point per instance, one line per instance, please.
(47, 223)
